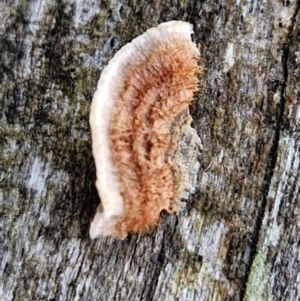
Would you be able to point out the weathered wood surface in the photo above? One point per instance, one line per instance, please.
(237, 239)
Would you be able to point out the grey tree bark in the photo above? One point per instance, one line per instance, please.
(238, 237)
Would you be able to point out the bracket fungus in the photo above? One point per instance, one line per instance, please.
(143, 145)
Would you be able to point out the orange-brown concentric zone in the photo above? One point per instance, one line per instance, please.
(156, 92)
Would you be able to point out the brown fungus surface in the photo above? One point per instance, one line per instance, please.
(138, 115)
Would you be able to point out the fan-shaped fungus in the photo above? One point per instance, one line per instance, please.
(138, 115)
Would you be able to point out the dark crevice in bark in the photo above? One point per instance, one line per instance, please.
(157, 269)
(282, 282)
(272, 162)
(160, 260)
(267, 181)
